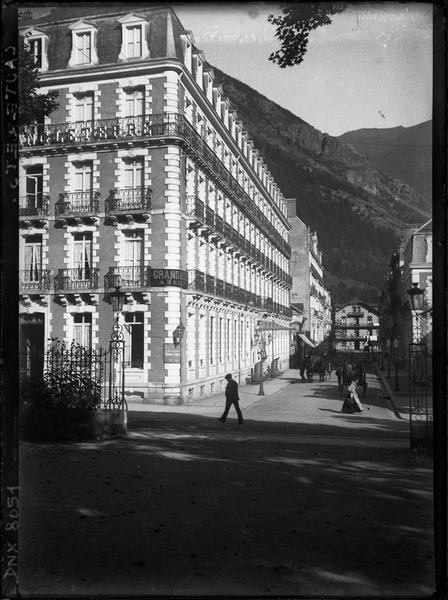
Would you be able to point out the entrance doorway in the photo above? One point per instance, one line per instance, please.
(32, 336)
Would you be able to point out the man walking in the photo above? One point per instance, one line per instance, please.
(232, 397)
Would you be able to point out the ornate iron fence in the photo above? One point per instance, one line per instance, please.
(76, 376)
(420, 396)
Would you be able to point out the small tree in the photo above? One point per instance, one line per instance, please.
(294, 25)
(33, 106)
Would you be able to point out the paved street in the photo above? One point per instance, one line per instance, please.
(300, 499)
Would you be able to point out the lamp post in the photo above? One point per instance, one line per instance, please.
(416, 303)
(397, 388)
(388, 356)
(178, 335)
(117, 347)
(382, 354)
(260, 340)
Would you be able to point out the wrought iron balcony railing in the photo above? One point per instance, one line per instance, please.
(34, 280)
(75, 279)
(209, 217)
(128, 200)
(34, 205)
(196, 280)
(210, 284)
(129, 277)
(195, 208)
(152, 126)
(77, 203)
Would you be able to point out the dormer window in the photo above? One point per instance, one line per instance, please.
(36, 42)
(133, 37)
(83, 44)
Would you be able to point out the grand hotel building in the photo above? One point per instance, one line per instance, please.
(144, 177)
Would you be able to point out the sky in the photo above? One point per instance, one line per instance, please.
(371, 68)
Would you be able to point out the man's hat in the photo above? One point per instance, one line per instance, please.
(228, 376)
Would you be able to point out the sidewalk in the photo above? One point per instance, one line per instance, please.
(396, 387)
(249, 394)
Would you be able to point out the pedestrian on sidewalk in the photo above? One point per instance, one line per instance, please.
(232, 397)
(352, 402)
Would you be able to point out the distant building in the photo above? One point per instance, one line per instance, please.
(309, 295)
(356, 326)
(145, 178)
(412, 263)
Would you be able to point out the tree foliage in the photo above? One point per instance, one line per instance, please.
(33, 106)
(294, 25)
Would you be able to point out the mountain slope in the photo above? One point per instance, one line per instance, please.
(357, 210)
(403, 153)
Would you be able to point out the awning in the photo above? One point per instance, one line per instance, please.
(303, 337)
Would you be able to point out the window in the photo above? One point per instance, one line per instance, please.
(84, 107)
(134, 41)
(82, 329)
(133, 102)
(133, 31)
(36, 41)
(33, 258)
(133, 174)
(212, 340)
(132, 257)
(82, 256)
(83, 47)
(134, 342)
(82, 177)
(33, 184)
(83, 44)
(35, 46)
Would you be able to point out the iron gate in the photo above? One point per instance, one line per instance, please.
(97, 374)
(420, 396)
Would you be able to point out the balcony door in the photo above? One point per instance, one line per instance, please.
(134, 110)
(84, 117)
(84, 108)
(133, 180)
(132, 257)
(33, 184)
(82, 257)
(82, 186)
(33, 259)
(82, 329)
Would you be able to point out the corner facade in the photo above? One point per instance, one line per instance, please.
(145, 178)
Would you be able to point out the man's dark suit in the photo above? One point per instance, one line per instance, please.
(232, 397)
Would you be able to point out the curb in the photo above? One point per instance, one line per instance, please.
(390, 395)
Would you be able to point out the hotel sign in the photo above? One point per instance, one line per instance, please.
(171, 353)
(168, 277)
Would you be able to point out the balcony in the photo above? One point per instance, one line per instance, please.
(196, 280)
(128, 204)
(111, 133)
(81, 279)
(196, 210)
(34, 281)
(128, 278)
(210, 284)
(77, 207)
(34, 209)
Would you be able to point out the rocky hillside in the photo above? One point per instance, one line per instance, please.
(356, 209)
(403, 153)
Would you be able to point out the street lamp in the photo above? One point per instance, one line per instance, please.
(416, 303)
(397, 388)
(178, 335)
(260, 340)
(388, 356)
(117, 348)
(117, 302)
